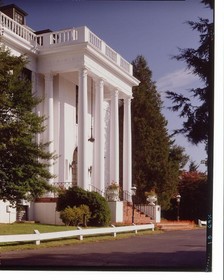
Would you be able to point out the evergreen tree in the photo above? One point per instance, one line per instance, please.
(156, 161)
(23, 162)
(197, 109)
(198, 115)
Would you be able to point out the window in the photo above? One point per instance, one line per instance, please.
(18, 18)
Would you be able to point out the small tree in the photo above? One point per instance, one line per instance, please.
(23, 162)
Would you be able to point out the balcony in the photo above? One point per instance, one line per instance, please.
(60, 38)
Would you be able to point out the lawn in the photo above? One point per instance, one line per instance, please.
(26, 228)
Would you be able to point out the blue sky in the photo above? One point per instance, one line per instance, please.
(154, 29)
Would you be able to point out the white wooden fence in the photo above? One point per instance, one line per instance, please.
(37, 236)
(202, 223)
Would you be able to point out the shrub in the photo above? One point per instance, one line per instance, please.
(100, 211)
(86, 214)
(75, 216)
(98, 205)
(68, 216)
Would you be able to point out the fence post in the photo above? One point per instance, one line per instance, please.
(114, 233)
(136, 230)
(37, 242)
(80, 236)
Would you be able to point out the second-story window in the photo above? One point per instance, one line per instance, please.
(18, 18)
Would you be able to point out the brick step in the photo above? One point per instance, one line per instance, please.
(182, 225)
(139, 217)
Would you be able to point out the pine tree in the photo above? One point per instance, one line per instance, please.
(23, 162)
(197, 115)
(156, 160)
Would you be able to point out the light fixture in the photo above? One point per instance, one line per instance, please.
(72, 164)
(178, 197)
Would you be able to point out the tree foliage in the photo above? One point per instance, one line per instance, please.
(193, 188)
(23, 162)
(156, 159)
(196, 109)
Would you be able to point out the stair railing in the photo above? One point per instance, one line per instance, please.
(138, 205)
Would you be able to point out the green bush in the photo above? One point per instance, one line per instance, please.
(68, 216)
(86, 214)
(75, 216)
(98, 206)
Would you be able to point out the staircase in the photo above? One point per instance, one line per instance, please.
(175, 225)
(139, 217)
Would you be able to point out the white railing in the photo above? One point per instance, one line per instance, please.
(37, 236)
(18, 29)
(63, 37)
(111, 53)
(95, 41)
(56, 38)
(125, 65)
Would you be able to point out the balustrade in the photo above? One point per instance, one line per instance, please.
(17, 28)
(62, 37)
(124, 64)
(94, 40)
(111, 53)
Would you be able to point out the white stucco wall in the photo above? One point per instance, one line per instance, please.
(116, 208)
(7, 213)
(45, 213)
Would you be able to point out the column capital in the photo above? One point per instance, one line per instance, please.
(128, 98)
(99, 82)
(114, 92)
(83, 71)
(48, 76)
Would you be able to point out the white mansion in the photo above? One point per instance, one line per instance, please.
(82, 81)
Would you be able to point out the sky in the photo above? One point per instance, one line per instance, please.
(154, 29)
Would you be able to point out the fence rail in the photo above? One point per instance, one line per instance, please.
(38, 237)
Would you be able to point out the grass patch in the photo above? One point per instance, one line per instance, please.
(28, 228)
(23, 228)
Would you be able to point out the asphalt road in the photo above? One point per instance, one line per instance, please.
(170, 251)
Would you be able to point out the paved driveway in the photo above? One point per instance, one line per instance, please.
(170, 251)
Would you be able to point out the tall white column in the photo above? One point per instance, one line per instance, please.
(34, 79)
(49, 101)
(127, 146)
(99, 136)
(114, 139)
(82, 131)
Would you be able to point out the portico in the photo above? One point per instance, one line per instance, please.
(81, 81)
